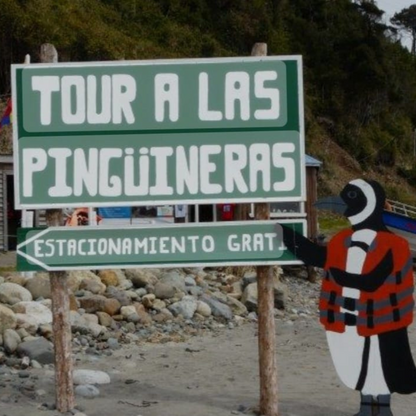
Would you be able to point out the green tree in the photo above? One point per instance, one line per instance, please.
(405, 20)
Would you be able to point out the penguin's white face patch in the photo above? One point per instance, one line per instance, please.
(370, 195)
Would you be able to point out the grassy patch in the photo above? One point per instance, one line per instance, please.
(330, 224)
(7, 269)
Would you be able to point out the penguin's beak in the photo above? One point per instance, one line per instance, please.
(334, 204)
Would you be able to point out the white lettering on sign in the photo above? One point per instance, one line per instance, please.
(60, 188)
(73, 87)
(207, 167)
(166, 93)
(251, 242)
(286, 163)
(130, 187)
(34, 160)
(237, 99)
(109, 185)
(204, 113)
(237, 89)
(46, 86)
(236, 162)
(107, 99)
(93, 116)
(260, 164)
(160, 170)
(79, 96)
(85, 172)
(187, 170)
(272, 94)
(107, 246)
(161, 155)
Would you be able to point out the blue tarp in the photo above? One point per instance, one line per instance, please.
(115, 212)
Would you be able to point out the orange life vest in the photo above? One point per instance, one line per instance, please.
(389, 307)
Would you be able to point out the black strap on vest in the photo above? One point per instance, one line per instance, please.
(364, 365)
(363, 246)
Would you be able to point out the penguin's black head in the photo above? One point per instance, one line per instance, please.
(365, 201)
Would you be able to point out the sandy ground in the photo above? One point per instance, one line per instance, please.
(215, 379)
(8, 259)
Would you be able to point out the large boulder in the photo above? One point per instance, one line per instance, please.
(90, 377)
(87, 391)
(120, 295)
(169, 285)
(11, 293)
(11, 340)
(126, 311)
(164, 291)
(218, 308)
(27, 322)
(105, 319)
(141, 277)
(16, 278)
(185, 307)
(174, 279)
(280, 295)
(83, 325)
(203, 309)
(144, 317)
(250, 297)
(93, 284)
(36, 310)
(111, 306)
(8, 319)
(39, 350)
(236, 306)
(148, 300)
(109, 277)
(237, 290)
(39, 286)
(76, 277)
(96, 303)
(249, 278)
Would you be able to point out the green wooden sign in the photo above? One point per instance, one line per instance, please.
(179, 245)
(158, 132)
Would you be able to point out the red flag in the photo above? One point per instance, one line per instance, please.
(7, 115)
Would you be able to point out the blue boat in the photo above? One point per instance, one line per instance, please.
(401, 219)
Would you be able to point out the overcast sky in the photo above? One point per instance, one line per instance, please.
(393, 6)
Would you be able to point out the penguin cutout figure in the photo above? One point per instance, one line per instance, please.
(366, 301)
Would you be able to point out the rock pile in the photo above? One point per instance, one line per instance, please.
(112, 307)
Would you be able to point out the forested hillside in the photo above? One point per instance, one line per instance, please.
(360, 82)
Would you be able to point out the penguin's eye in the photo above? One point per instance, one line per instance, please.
(352, 194)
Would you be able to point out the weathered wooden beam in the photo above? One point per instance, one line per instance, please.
(65, 399)
(267, 338)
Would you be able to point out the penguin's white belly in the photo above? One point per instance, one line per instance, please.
(347, 355)
(347, 348)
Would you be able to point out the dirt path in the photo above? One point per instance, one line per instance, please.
(215, 379)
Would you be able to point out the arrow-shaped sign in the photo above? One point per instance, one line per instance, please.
(176, 245)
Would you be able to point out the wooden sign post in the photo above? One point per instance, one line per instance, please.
(267, 342)
(65, 399)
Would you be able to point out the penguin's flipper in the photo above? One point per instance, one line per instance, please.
(368, 282)
(304, 249)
